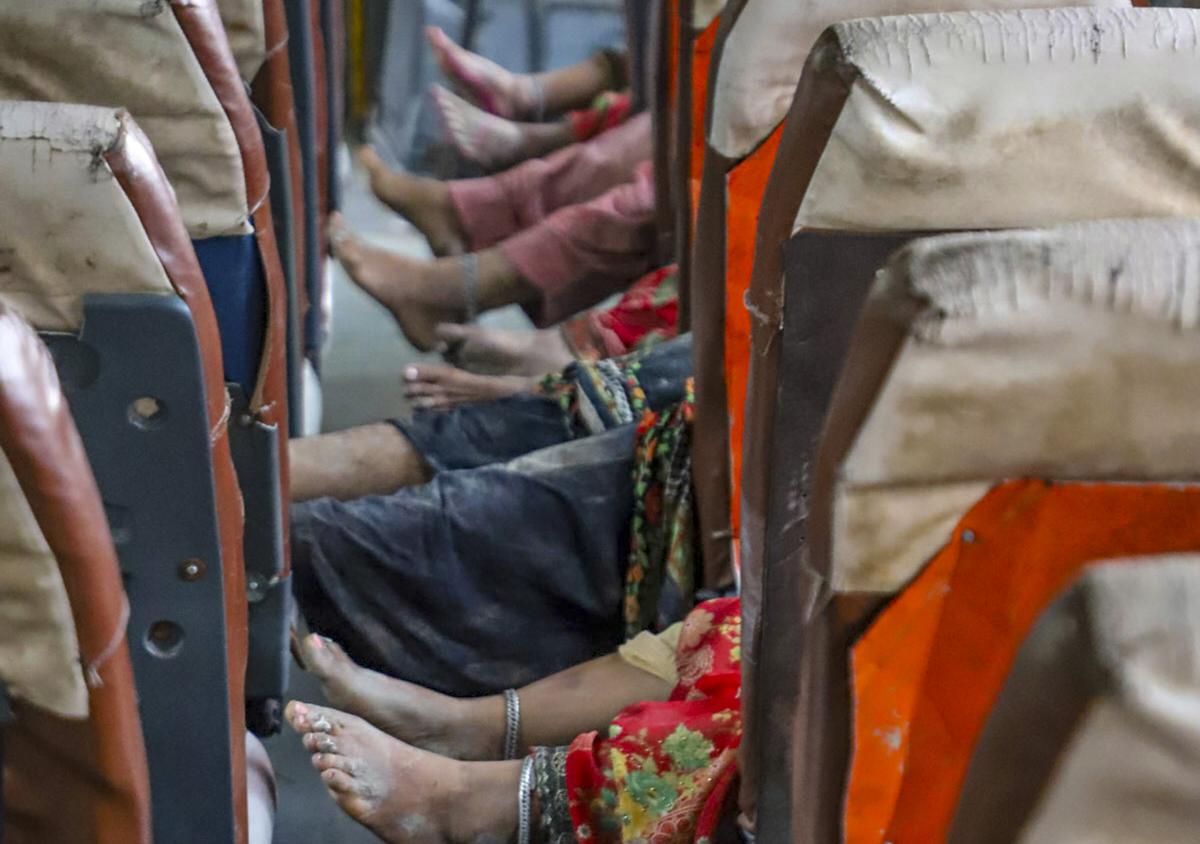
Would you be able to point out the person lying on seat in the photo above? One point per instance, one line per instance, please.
(640, 744)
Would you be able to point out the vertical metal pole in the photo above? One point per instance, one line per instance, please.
(470, 24)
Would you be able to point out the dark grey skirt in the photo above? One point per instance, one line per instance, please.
(481, 580)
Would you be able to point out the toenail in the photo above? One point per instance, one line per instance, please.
(411, 373)
(321, 724)
(327, 745)
(318, 641)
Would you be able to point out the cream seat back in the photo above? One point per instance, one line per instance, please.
(1058, 353)
(757, 63)
(170, 65)
(997, 385)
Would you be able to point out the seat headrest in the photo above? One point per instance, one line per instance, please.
(1064, 354)
(769, 44)
(69, 229)
(246, 31)
(133, 54)
(1006, 119)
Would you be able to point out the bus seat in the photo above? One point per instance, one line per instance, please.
(257, 34)
(73, 759)
(199, 150)
(261, 431)
(860, 99)
(1098, 711)
(98, 260)
(273, 97)
(1013, 409)
(215, 160)
(756, 66)
(213, 157)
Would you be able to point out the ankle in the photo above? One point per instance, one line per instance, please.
(501, 283)
(485, 808)
(525, 93)
(481, 720)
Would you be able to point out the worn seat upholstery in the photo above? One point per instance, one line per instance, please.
(195, 109)
(98, 259)
(757, 63)
(928, 122)
(981, 360)
(74, 764)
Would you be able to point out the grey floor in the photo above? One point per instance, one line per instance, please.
(361, 383)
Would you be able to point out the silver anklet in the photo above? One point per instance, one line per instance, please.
(539, 99)
(512, 723)
(470, 266)
(524, 801)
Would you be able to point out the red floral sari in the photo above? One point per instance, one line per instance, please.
(606, 111)
(647, 313)
(662, 774)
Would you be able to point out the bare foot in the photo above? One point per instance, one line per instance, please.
(423, 202)
(484, 83)
(494, 351)
(490, 141)
(443, 387)
(408, 288)
(459, 728)
(401, 793)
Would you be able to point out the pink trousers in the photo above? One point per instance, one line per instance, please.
(578, 224)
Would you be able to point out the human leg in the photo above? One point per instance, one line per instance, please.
(366, 460)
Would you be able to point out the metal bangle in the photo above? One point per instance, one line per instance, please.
(470, 266)
(524, 801)
(538, 113)
(512, 723)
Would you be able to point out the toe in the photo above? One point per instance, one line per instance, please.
(334, 762)
(320, 656)
(297, 714)
(322, 720)
(436, 37)
(424, 379)
(438, 402)
(319, 743)
(369, 158)
(451, 336)
(337, 781)
(345, 244)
